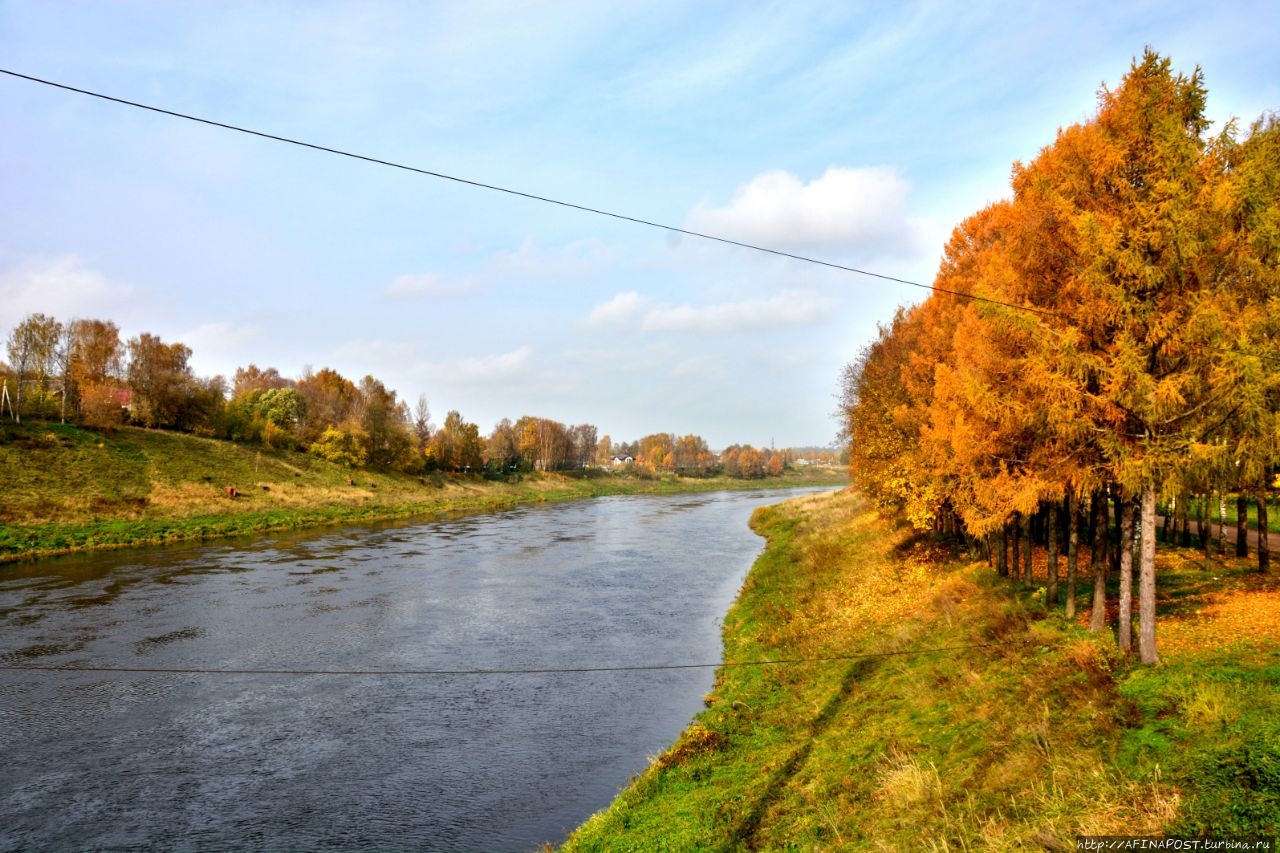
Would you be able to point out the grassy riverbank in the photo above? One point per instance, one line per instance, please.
(956, 712)
(68, 489)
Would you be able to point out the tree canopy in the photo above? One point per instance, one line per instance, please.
(1114, 332)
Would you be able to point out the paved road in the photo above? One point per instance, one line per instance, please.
(1273, 539)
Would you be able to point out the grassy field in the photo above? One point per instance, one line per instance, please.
(945, 709)
(67, 489)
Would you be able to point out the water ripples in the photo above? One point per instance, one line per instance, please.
(185, 761)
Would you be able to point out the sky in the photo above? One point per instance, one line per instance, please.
(856, 133)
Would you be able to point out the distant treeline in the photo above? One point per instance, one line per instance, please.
(83, 372)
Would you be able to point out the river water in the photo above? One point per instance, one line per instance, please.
(291, 761)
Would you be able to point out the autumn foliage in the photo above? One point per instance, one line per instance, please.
(83, 373)
(1108, 333)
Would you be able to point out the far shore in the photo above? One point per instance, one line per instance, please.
(73, 491)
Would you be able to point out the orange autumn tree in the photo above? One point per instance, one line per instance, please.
(883, 417)
(1243, 205)
(1100, 351)
(1155, 369)
(1000, 411)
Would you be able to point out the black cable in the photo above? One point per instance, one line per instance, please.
(531, 196)
(1044, 312)
(163, 670)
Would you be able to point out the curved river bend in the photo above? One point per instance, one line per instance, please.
(185, 760)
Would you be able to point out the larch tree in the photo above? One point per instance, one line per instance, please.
(1146, 328)
(1244, 206)
(1120, 338)
(884, 403)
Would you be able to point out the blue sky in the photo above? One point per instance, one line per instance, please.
(858, 133)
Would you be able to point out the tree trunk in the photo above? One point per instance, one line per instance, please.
(1242, 525)
(1026, 551)
(1051, 595)
(1098, 616)
(1124, 633)
(1147, 579)
(1002, 552)
(1222, 522)
(1015, 552)
(1202, 520)
(1073, 552)
(1264, 537)
(1184, 513)
(1116, 541)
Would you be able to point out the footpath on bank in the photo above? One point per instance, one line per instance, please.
(920, 702)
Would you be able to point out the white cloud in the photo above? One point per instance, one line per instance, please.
(571, 261)
(496, 369)
(427, 284)
(376, 351)
(220, 336)
(219, 348)
(864, 209)
(703, 368)
(620, 310)
(62, 287)
(787, 309)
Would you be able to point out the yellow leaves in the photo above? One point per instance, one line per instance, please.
(863, 586)
(1128, 237)
(1222, 606)
(1227, 619)
(1167, 397)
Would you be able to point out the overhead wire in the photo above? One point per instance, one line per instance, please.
(973, 297)
(520, 193)
(546, 200)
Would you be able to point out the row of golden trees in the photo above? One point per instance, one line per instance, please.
(1110, 330)
(84, 372)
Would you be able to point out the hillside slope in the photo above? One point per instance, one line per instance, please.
(66, 488)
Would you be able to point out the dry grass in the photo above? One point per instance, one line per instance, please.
(694, 742)
(907, 781)
(1021, 744)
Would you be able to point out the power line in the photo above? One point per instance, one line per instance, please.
(1029, 309)
(521, 194)
(425, 673)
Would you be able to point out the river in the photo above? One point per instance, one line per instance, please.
(307, 746)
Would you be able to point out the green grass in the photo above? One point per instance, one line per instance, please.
(69, 489)
(979, 720)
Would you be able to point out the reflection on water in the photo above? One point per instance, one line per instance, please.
(479, 762)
